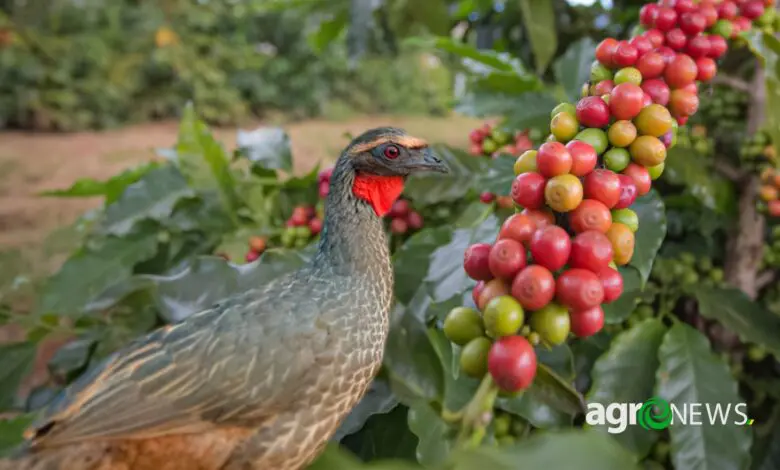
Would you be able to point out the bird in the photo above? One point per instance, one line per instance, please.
(260, 380)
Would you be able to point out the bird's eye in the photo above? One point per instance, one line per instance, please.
(392, 152)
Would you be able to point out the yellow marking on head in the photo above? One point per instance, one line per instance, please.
(402, 140)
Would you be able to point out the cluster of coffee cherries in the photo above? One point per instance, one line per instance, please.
(555, 262)
(257, 246)
(502, 202)
(771, 258)
(323, 182)
(769, 192)
(6, 37)
(507, 429)
(304, 224)
(490, 140)
(769, 21)
(403, 219)
(724, 110)
(564, 286)
(757, 151)
(695, 138)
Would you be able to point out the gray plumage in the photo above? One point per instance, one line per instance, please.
(285, 361)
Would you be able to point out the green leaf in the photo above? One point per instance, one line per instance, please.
(770, 455)
(433, 188)
(328, 31)
(626, 374)
(204, 281)
(772, 125)
(153, 197)
(446, 277)
(410, 262)
(686, 167)
(557, 391)
(539, 22)
(132, 317)
(466, 7)
(572, 449)
(620, 309)
(411, 361)
(505, 82)
(335, 458)
(474, 214)
(17, 360)
(203, 161)
(91, 271)
(527, 110)
(735, 311)
(533, 409)
(385, 436)
(559, 359)
(586, 352)
(691, 373)
(459, 389)
(767, 48)
(111, 188)
(572, 69)
(266, 147)
(434, 445)
(487, 57)
(499, 176)
(652, 230)
(72, 358)
(377, 400)
(551, 401)
(407, 16)
(11, 433)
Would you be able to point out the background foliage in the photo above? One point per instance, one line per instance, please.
(692, 324)
(68, 65)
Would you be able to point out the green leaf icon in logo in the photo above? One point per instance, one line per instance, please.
(655, 414)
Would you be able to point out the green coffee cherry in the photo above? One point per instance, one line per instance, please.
(503, 316)
(552, 323)
(462, 325)
(473, 357)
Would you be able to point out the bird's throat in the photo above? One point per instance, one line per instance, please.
(379, 191)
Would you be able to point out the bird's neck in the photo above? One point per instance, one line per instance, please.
(353, 239)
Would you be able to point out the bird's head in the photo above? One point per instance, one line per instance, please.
(382, 158)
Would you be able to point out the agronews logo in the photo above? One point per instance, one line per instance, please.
(655, 414)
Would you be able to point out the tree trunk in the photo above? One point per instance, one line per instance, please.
(746, 240)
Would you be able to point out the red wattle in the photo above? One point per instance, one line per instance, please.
(379, 191)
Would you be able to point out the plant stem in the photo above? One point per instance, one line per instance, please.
(474, 423)
(734, 82)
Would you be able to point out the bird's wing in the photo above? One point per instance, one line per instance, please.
(234, 364)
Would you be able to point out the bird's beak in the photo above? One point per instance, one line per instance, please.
(426, 160)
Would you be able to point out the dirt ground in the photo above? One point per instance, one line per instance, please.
(35, 162)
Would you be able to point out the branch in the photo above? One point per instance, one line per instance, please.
(728, 170)
(733, 82)
(745, 246)
(765, 278)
